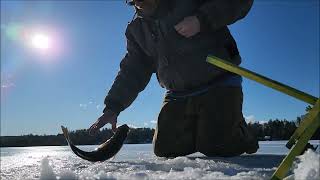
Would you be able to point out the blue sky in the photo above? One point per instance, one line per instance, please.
(66, 84)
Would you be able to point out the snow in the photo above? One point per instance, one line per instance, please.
(308, 166)
(139, 162)
(46, 170)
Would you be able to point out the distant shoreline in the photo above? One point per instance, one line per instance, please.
(66, 145)
(79, 137)
(273, 130)
(127, 144)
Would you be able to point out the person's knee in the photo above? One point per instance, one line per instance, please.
(159, 149)
(221, 154)
(223, 150)
(165, 154)
(169, 151)
(171, 154)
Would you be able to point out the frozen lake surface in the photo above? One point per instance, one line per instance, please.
(138, 162)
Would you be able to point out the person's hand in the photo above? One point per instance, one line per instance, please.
(188, 27)
(107, 117)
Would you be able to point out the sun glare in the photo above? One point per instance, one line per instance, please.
(40, 41)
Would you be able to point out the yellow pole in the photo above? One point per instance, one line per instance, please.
(307, 127)
(261, 79)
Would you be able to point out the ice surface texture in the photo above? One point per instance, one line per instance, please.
(139, 162)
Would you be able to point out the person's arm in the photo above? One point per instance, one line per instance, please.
(215, 14)
(135, 72)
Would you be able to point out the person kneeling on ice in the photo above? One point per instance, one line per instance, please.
(202, 108)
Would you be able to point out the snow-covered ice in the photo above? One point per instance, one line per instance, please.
(308, 166)
(139, 162)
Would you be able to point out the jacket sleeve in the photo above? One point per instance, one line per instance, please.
(215, 14)
(135, 72)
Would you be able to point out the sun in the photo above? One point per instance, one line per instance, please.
(40, 41)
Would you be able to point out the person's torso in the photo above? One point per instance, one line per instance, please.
(181, 62)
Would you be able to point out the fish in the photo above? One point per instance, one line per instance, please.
(104, 151)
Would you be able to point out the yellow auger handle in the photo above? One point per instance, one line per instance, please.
(263, 80)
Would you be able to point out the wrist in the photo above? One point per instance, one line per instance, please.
(113, 106)
(202, 18)
(109, 111)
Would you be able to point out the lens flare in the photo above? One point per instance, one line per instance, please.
(40, 41)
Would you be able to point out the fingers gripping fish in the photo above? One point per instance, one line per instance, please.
(105, 150)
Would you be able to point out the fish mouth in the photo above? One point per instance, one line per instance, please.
(106, 150)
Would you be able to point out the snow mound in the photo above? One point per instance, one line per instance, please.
(46, 170)
(307, 166)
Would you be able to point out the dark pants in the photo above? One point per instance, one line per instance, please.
(211, 123)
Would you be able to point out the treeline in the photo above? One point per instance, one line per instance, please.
(277, 129)
(271, 130)
(78, 137)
